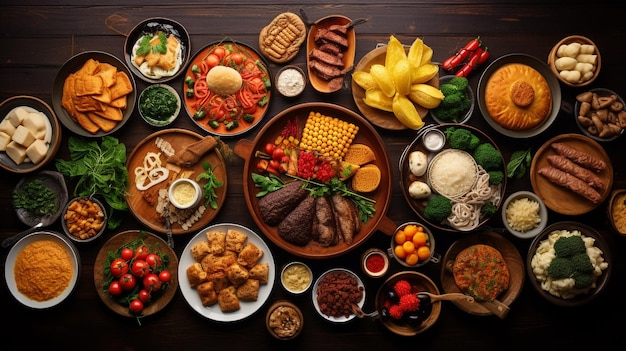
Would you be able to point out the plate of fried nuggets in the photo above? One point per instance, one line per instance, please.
(94, 94)
(227, 272)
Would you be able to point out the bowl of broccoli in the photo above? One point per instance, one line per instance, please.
(458, 103)
(569, 263)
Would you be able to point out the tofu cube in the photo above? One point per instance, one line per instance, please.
(37, 151)
(16, 152)
(17, 115)
(5, 139)
(7, 127)
(23, 136)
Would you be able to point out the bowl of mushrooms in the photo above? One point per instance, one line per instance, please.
(600, 114)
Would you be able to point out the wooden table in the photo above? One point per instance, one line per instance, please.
(39, 36)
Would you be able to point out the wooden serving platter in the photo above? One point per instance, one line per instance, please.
(142, 209)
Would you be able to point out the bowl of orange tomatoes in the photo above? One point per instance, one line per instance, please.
(413, 245)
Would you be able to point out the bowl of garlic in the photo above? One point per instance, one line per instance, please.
(575, 60)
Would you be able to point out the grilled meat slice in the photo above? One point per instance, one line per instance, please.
(297, 226)
(324, 225)
(340, 29)
(347, 223)
(326, 36)
(332, 49)
(325, 71)
(328, 58)
(274, 206)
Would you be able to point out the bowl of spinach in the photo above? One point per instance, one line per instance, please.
(159, 105)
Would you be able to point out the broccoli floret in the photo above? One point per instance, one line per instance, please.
(495, 177)
(488, 156)
(582, 280)
(461, 83)
(581, 263)
(474, 142)
(438, 209)
(450, 114)
(448, 89)
(452, 100)
(488, 209)
(459, 138)
(568, 246)
(560, 268)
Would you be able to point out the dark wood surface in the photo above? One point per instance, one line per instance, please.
(39, 36)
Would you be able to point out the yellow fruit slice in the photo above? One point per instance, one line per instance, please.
(376, 99)
(425, 95)
(395, 52)
(406, 113)
(424, 73)
(427, 54)
(364, 80)
(401, 73)
(415, 53)
(383, 78)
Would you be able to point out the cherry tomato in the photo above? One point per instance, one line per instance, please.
(141, 252)
(140, 268)
(212, 60)
(165, 276)
(127, 253)
(144, 295)
(219, 52)
(278, 153)
(154, 261)
(237, 58)
(151, 282)
(274, 164)
(128, 282)
(115, 288)
(119, 267)
(136, 306)
(269, 148)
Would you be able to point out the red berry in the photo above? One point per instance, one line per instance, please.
(409, 303)
(395, 312)
(402, 287)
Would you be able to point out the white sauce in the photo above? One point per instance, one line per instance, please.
(433, 141)
(290, 82)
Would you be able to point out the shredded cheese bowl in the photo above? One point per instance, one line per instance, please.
(42, 269)
(524, 214)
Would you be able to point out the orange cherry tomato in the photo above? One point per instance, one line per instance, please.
(212, 60)
(219, 52)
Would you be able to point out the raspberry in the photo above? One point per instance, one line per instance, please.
(402, 287)
(409, 303)
(395, 312)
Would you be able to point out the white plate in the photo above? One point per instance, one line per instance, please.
(19, 246)
(214, 312)
(317, 307)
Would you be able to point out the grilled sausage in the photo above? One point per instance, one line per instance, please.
(570, 182)
(581, 157)
(584, 174)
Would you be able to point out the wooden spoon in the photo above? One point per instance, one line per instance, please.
(446, 297)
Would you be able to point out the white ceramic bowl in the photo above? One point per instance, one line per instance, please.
(543, 214)
(185, 185)
(316, 287)
(290, 81)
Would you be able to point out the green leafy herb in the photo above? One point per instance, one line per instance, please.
(145, 45)
(267, 184)
(101, 170)
(35, 198)
(518, 164)
(212, 183)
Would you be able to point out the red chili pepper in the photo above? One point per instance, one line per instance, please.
(471, 63)
(483, 56)
(461, 55)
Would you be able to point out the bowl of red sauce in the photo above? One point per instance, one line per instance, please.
(374, 263)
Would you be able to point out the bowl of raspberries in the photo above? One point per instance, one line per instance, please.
(402, 305)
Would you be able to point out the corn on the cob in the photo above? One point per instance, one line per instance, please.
(328, 136)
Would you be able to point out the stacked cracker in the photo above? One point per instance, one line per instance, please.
(95, 96)
(227, 269)
(280, 40)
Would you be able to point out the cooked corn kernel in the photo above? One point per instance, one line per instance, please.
(329, 136)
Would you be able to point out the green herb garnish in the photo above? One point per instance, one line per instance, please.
(267, 184)
(518, 164)
(35, 198)
(101, 170)
(145, 46)
(212, 183)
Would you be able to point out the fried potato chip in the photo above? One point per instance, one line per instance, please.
(111, 113)
(106, 125)
(108, 72)
(86, 123)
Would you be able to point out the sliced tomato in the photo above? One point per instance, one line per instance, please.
(201, 89)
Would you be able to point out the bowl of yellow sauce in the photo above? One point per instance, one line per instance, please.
(185, 193)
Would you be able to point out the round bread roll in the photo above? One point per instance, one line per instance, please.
(518, 97)
(224, 80)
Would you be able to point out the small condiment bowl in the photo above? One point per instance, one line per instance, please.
(374, 263)
(185, 193)
(553, 57)
(84, 219)
(434, 139)
(290, 81)
(397, 245)
(616, 211)
(463, 118)
(159, 91)
(284, 320)
(543, 214)
(296, 277)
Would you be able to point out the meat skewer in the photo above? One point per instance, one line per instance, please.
(570, 182)
(578, 156)
(565, 165)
